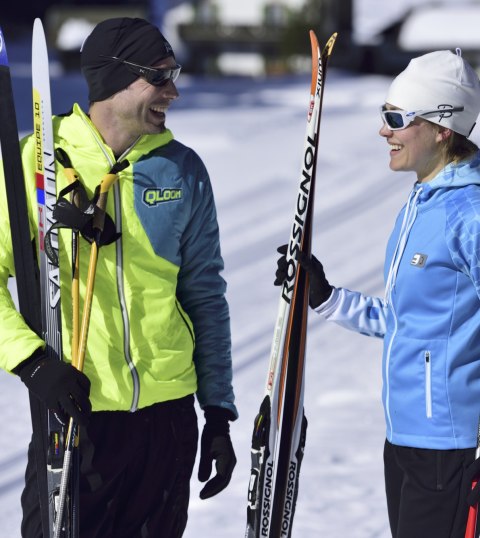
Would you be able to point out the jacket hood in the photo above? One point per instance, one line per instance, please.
(456, 175)
(422, 196)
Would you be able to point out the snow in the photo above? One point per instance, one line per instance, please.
(462, 22)
(249, 133)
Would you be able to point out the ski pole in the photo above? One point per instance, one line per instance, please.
(471, 529)
(72, 177)
(98, 225)
(79, 358)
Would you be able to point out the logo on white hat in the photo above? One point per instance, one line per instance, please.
(445, 113)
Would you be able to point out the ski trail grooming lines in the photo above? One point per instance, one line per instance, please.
(471, 530)
(78, 351)
(279, 432)
(25, 262)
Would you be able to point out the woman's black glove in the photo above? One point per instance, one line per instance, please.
(64, 389)
(320, 289)
(216, 445)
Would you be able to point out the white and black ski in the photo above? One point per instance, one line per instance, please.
(279, 432)
(67, 524)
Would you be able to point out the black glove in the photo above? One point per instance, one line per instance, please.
(64, 389)
(320, 289)
(216, 445)
(472, 473)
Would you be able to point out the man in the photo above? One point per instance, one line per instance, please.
(159, 329)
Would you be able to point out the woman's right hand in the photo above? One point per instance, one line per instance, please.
(320, 289)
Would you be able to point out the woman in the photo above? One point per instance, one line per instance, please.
(430, 315)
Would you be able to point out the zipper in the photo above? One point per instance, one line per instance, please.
(428, 383)
(407, 224)
(122, 300)
(387, 370)
(409, 217)
(119, 273)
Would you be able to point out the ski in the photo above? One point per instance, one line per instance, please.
(279, 431)
(25, 262)
(67, 525)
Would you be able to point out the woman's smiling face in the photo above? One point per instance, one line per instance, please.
(417, 148)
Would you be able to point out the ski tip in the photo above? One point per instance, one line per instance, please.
(313, 38)
(331, 42)
(315, 64)
(38, 27)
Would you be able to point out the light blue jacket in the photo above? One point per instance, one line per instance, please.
(430, 315)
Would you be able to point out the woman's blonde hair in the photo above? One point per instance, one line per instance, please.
(459, 147)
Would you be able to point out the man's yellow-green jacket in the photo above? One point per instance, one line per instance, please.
(160, 327)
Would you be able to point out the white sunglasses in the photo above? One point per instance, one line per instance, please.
(399, 119)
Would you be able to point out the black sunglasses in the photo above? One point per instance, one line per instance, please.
(153, 75)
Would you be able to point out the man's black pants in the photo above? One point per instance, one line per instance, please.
(135, 471)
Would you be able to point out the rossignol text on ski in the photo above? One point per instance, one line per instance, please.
(279, 432)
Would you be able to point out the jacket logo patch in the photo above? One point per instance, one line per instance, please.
(419, 260)
(154, 197)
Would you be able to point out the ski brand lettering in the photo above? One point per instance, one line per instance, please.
(50, 189)
(38, 136)
(46, 188)
(299, 219)
(288, 506)
(39, 172)
(267, 498)
(318, 90)
(54, 279)
(153, 197)
(320, 77)
(50, 200)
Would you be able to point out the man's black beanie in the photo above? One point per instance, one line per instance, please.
(135, 40)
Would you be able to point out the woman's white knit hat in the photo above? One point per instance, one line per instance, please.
(442, 80)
